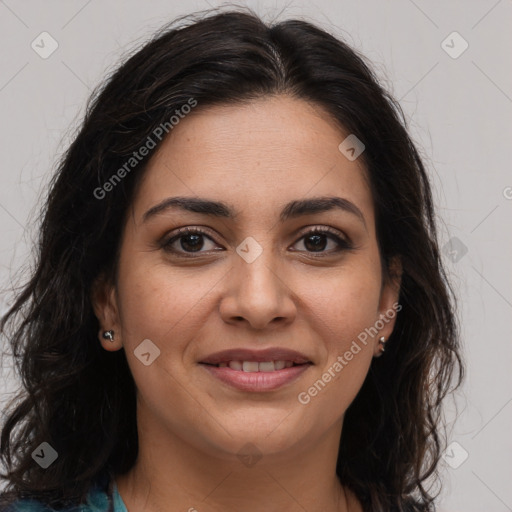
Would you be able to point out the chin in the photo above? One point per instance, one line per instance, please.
(268, 437)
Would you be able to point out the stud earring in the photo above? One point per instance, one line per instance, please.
(382, 341)
(108, 335)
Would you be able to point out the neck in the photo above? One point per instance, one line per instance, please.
(170, 471)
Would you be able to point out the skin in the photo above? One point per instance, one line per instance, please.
(256, 157)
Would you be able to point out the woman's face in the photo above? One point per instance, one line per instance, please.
(257, 278)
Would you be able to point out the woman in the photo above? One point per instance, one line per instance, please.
(239, 301)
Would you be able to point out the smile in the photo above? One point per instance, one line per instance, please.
(255, 366)
(256, 376)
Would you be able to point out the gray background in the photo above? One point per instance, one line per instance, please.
(459, 112)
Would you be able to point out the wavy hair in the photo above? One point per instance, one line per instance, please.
(80, 398)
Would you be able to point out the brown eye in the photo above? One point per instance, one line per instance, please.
(316, 240)
(192, 242)
(187, 240)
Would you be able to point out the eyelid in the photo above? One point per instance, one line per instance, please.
(340, 238)
(168, 239)
(323, 230)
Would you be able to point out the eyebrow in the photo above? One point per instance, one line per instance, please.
(292, 210)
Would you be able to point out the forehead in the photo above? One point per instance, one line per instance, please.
(256, 156)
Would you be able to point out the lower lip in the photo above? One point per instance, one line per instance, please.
(256, 381)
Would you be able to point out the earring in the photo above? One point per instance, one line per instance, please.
(382, 341)
(108, 335)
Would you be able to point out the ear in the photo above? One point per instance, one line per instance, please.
(104, 302)
(388, 304)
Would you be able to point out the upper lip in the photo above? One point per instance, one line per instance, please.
(269, 354)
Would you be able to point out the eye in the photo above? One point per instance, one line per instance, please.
(191, 240)
(316, 240)
(187, 240)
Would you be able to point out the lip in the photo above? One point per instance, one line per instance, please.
(256, 381)
(269, 354)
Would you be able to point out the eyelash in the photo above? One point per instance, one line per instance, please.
(343, 244)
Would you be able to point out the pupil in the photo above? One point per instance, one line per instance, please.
(317, 244)
(196, 243)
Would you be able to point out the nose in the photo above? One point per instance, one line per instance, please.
(257, 295)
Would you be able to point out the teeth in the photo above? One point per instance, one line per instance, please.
(265, 367)
(255, 366)
(235, 365)
(250, 366)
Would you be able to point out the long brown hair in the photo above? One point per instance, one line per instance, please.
(81, 399)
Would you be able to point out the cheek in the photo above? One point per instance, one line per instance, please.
(347, 301)
(163, 307)
(343, 309)
(157, 302)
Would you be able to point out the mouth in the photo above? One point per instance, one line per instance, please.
(256, 366)
(250, 360)
(254, 376)
(256, 370)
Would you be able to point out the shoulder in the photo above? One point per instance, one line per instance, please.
(97, 500)
(25, 505)
(32, 505)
